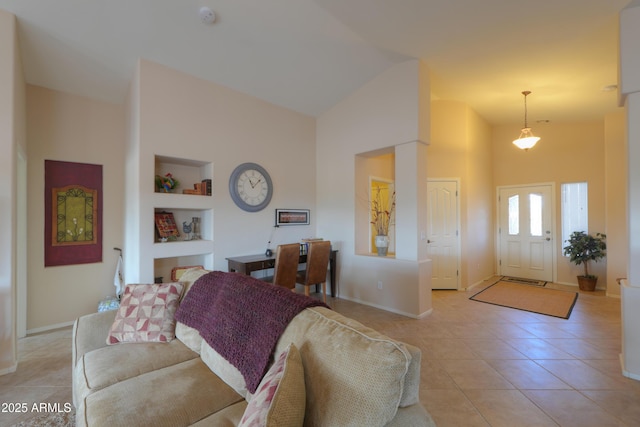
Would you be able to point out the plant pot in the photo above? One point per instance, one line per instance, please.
(382, 244)
(587, 283)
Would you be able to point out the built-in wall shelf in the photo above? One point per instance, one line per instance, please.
(181, 201)
(184, 208)
(182, 248)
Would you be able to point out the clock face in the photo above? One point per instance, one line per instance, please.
(250, 187)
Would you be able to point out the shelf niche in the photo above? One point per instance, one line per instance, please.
(370, 168)
(184, 208)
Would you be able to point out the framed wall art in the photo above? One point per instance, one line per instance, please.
(73, 213)
(166, 226)
(292, 217)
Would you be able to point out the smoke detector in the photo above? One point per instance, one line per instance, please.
(207, 16)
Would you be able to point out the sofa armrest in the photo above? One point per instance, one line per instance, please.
(90, 333)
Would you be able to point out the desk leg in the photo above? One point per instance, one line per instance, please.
(332, 273)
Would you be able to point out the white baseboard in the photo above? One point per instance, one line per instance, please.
(11, 369)
(481, 282)
(49, 328)
(625, 372)
(381, 307)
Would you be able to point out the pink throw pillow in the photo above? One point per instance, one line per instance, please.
(146, 314)
(280, 398)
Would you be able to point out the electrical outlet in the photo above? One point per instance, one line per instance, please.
(380, 284)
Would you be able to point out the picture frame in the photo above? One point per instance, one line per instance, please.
(166, 225)
(73, 213)
(292, 217)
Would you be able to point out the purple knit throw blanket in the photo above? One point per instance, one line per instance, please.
(241, 318)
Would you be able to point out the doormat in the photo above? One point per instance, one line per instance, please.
(534, 299)
(531, 282)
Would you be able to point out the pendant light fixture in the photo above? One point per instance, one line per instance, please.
(526, 139)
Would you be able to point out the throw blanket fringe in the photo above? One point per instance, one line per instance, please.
(241, 318)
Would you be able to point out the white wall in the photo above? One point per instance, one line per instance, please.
(12, 138)
(383, 113)
(177, 115)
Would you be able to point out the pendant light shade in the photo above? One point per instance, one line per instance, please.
(526, 139)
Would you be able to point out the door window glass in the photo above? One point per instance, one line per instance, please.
(535, 214)
(574, 209)
(514, 215)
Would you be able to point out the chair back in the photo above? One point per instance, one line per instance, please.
(317, 262)
(286, 267)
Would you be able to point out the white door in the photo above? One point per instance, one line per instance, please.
(443, 246)
(526, 232)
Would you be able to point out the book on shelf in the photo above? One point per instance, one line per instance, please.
(201, 189)
(205, 187)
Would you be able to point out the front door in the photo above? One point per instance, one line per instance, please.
(526, 232)
(442, 233)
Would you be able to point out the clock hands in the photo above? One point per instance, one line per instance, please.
(253, 185)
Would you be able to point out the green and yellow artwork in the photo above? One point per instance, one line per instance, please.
(74, 215)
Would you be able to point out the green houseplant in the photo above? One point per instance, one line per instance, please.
(582, 249)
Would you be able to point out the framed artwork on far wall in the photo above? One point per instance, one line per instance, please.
(73, 213)
(292, 217)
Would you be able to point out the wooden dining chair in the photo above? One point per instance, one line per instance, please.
(317, 266)
(286, 266)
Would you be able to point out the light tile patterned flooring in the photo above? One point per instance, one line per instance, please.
(43, 375)
(482, 365)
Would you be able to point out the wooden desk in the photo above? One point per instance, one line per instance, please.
(248, 263)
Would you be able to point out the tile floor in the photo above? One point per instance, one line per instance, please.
(485, 365)
(43, 375)
(482, 365)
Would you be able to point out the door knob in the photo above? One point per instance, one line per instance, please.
(548, 238)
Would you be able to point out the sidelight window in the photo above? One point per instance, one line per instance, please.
(574, 209)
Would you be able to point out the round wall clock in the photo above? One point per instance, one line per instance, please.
(250, 187)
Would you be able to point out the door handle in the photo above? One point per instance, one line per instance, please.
(547, 239)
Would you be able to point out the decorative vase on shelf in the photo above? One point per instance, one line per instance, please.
(382, 244)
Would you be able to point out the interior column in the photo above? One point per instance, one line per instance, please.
(630, 94)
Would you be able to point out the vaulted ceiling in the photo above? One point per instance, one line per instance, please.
(308, 54)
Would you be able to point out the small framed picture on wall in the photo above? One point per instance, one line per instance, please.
(292, 217)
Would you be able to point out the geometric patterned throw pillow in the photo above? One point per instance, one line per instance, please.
(280, 398)
(146, 314)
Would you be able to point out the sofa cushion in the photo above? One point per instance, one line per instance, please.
(188, 335)
(191, 275)
(224, 369)
(279, 400)
(353, 374)
(102, 367)
(227, 417)
(146, 313)
(175, 396)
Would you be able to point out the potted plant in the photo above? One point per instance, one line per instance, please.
(583, 248)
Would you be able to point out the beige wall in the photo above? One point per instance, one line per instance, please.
(461, 149)
(71, 128)
(571, 152)
(12, 141)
